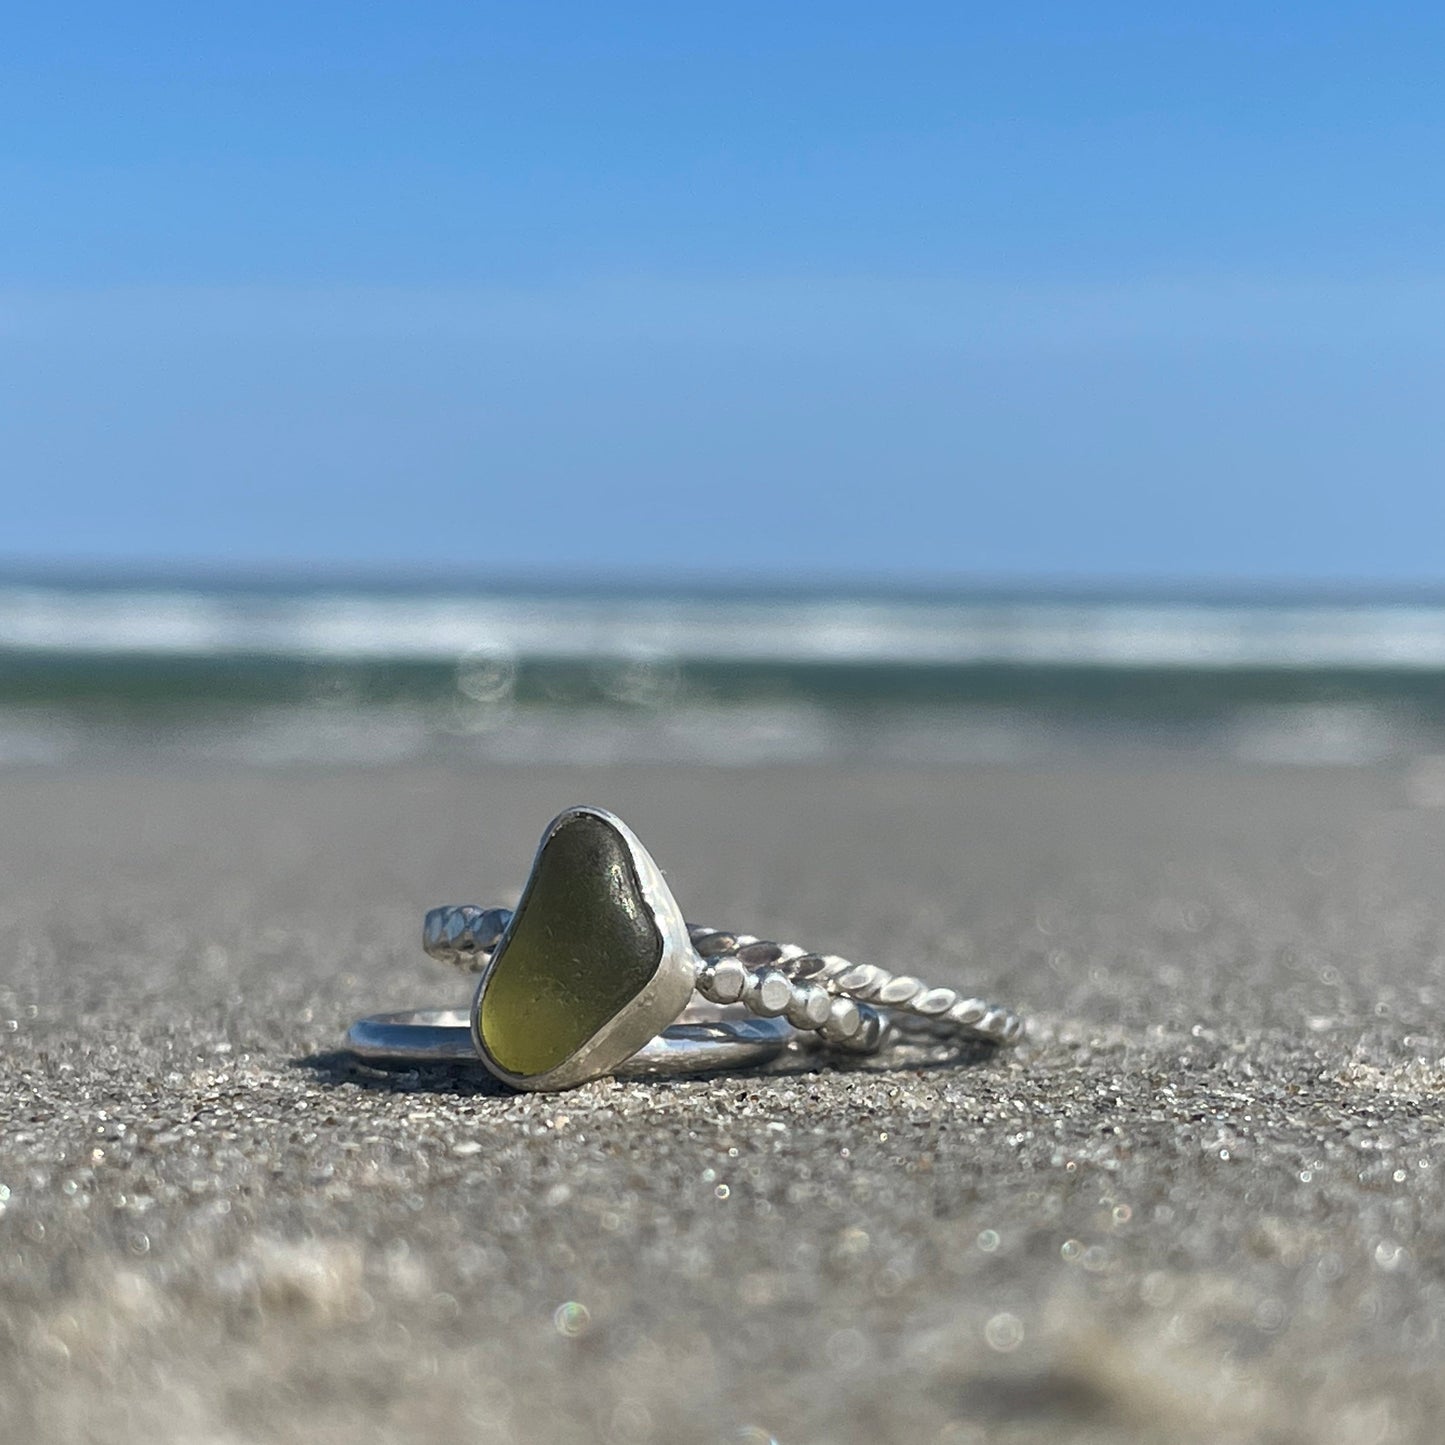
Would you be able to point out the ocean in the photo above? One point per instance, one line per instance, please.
(726, 673)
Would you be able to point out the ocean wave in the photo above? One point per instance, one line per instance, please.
(727, 627)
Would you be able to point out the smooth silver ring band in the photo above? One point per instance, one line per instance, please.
(702, 1041)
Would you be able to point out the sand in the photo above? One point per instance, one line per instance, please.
(1206, 1201)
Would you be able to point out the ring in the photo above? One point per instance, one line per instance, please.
(596, 970)
(696, 1044)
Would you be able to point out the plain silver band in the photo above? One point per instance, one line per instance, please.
(697, 1044)
(464, 936)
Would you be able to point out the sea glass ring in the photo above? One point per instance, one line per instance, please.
(596, 972)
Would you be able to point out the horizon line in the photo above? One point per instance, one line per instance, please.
(305, 576)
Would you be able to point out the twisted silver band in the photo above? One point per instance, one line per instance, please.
(855, 1006)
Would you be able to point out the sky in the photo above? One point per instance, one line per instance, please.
(920, 292)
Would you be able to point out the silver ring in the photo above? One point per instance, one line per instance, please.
(596, 964)
(693, 1045)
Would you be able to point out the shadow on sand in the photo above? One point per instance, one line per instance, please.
(337, 1067)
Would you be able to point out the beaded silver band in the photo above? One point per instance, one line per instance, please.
(854, 1006)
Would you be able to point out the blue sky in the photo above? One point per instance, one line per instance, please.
(1033, 291)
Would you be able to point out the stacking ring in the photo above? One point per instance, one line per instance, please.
(596, 972)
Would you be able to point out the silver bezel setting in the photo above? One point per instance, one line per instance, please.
(658, 1004)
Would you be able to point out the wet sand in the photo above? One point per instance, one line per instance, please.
(1206, 1201)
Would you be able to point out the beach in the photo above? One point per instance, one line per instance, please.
(1205, 1200)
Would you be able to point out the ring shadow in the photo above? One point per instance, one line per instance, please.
(338, 1067)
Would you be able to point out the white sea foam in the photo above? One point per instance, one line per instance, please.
(356, 626)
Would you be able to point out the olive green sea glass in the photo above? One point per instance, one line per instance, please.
(582, 946)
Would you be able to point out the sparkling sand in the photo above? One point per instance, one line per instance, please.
(1205, 1202)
